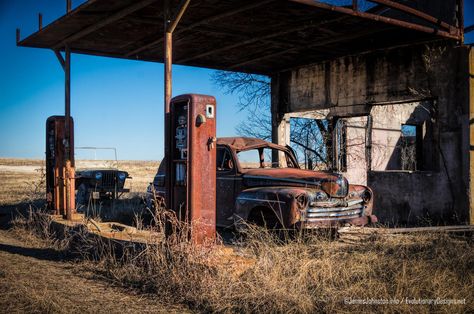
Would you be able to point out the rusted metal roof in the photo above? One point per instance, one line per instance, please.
(264, 36)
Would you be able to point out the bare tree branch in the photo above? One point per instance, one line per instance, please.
(253, 90)
(310, 136)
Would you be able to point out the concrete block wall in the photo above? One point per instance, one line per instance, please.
(355, 85)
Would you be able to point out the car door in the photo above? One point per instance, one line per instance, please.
(225, 174)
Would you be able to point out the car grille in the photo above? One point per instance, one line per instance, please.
(109, 179)
(314, 214)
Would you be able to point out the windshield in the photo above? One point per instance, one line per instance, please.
(262, 158)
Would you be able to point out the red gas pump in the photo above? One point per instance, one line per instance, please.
(60, 166)
(192, 164)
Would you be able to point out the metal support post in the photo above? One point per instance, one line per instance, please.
(461, 18)
(471, 135)
(67, 135)
(169, 27)
(167, 94)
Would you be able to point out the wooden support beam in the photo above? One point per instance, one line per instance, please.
(40, 21)
(378, 18)
(213, 18)
(68, 6)
(104, 22)
(266, 35)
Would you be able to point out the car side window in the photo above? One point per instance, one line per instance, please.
(224, 160)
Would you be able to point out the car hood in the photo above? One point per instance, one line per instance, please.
(333, 183)
(95, 170)
(91, 172)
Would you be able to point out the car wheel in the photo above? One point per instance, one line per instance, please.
(82, 197)
(264, 217)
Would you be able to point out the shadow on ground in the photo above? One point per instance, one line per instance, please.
(38, 253)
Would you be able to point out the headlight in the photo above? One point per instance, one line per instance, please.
(122, 176)
(366, 196)
(321, 196)
(98, 175)
(336, 188)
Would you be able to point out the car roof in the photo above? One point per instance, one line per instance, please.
(246, 143)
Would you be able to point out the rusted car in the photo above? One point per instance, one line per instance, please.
(105, 183)
(99, 179)
(253, 189)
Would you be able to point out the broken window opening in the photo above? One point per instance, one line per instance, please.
(403, 137)
(411, 147)
(311, 140)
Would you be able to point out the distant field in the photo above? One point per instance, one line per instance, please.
(20, 178)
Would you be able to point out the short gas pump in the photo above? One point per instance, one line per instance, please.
(60, 165)
(192, 164)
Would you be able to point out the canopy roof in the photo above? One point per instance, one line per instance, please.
(263, 37)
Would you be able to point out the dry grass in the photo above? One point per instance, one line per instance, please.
(20, 182)
(21, 162)
(304, 273)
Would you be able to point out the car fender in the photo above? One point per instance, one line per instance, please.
(280, 201)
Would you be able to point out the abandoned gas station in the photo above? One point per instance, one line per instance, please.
(395, 74)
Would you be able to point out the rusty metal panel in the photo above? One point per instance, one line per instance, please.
(242, 35)
(193, 155)
(57, 167)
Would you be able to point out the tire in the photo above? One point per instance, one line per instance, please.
(82, 197)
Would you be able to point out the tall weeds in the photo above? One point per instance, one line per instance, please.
(299, 274)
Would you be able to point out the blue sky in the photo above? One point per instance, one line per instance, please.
(116, 103)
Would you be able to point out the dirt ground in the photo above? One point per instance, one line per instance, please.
(34, 279)
(38, 279)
